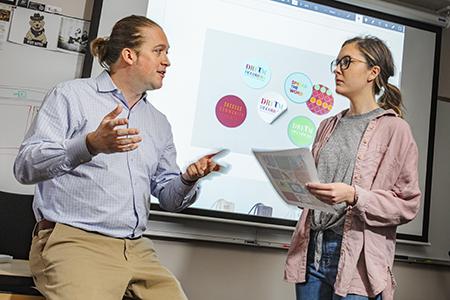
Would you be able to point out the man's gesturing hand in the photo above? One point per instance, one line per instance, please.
(200, 168)
(109, 139)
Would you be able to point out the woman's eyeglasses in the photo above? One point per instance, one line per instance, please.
(344, 63)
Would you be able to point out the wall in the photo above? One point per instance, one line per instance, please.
(222, 272)
(444, 76)
(80, 8)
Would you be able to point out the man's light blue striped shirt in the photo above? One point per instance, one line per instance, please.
(106, 193)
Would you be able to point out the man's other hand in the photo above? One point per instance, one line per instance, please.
(200, 168)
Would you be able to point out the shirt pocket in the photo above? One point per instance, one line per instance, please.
(384, 166)
(375, 154)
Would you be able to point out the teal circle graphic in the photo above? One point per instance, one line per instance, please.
(301, 131)
(298, 87)
(256, 74)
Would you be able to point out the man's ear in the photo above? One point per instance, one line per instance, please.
(129, 56)
(374, 72)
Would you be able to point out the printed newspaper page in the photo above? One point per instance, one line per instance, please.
(288, 172)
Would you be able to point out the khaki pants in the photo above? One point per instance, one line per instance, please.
(69, 263)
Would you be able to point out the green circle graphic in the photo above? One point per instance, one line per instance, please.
(301, 131)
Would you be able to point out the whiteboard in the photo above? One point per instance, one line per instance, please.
(209, 50)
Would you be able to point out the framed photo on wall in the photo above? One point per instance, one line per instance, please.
(22, 3)
(73, 35)
(10, 2)
(34, 28)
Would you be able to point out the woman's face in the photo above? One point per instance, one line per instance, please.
(352, 74)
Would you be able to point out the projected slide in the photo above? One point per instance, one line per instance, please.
(252, 74)
(254, 93)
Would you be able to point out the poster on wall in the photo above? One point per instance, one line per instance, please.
(22, 3)
(10, 2)
(73, 35)
(5, 18)
(36, 29)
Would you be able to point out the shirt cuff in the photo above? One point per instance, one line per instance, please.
(183, 187)
(77, 151)
(187, 182)
(361, 204)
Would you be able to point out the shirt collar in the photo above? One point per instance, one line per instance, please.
(390, 112)
(106, 85)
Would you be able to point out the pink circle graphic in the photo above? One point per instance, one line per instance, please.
(231, 111)
(321, 101)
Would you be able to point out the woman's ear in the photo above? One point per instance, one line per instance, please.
(374, 72)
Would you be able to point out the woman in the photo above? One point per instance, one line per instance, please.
(366, 158)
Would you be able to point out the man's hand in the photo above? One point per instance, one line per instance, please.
(109, 139)
(333, 193)
(200, 168)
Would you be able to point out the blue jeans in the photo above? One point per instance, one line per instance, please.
(319, 283)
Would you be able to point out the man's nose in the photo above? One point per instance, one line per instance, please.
(166, 61)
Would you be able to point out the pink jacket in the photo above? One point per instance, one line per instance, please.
(386, 182)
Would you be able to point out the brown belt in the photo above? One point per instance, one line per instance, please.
(43, 225)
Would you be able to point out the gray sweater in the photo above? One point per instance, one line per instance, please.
(336, 163)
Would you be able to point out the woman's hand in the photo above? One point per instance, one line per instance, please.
(333, 193)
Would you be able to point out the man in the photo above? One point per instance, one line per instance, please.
(97, 149)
